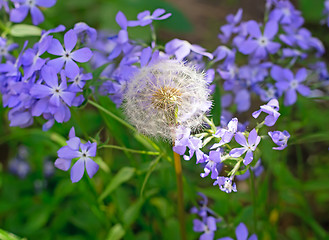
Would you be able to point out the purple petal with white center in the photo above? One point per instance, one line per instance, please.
(73, 143)
(45, 3)
(237, 152)
(56, 63)
(77, 171)
(253, 29)
(91, 167)
(40, 91)
(82, 55)
(290, 98)
(19, 14)
(37, 16)
(67, 153)
(56, 48)
(63, 164)
(248, 158)
(240, 138)
(271, 28)
(92, 149)
(71, 68)
(70, 40)
(248, 46)
(241, 232)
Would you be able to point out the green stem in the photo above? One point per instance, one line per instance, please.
(180, 200)
(129, 150)
(112, 115)
(253, 193)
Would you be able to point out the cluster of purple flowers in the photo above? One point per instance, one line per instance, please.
(207, 224)
(221, 151)
(30, 83)
(273, 49)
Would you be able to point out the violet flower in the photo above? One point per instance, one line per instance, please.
(208, 227)
(182, 48)
(225, 184)
(24, 6)
(290, 84)
(271, 108)
(146, 18)
(280, 139)
(248, 146)
(76, 149)
(241, 233)
(68, 56)
(260, 44)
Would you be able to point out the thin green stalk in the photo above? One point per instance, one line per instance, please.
(253, 193)
(180, 200)
(112, 115)
(129, 150)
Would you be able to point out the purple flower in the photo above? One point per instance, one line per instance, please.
(145, 18)
(285, 13)
(230, 28)
(212, 163)
(260, 44)
(76, 149)
(182, 48)
(53, 97)
(85, 33)
(286, 81)
(24, 6)
(79, 81)
(208, 227)
(4, 4)
(241, 233)
(280, 139)
(5, 48)
(271, 108)
(68, 56)
(226, 134)
(225, 184)
(248, 146)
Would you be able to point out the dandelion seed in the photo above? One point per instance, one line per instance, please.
(165, 95)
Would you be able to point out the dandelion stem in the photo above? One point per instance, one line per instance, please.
(179, 179)
(253, 193)
(129, 150)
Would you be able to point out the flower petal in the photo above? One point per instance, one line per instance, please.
(82, 55)
(70, 40)
(77, 171)
(63, 164)
(91, 167)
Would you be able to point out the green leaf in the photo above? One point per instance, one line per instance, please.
(122, 176)
(8, 236)
(116, 232)
(25, 30)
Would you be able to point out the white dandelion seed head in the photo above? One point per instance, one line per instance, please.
(165, 95)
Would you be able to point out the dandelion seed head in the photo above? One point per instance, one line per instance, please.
(164, 95)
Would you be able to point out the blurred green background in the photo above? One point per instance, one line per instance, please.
(292, 193)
